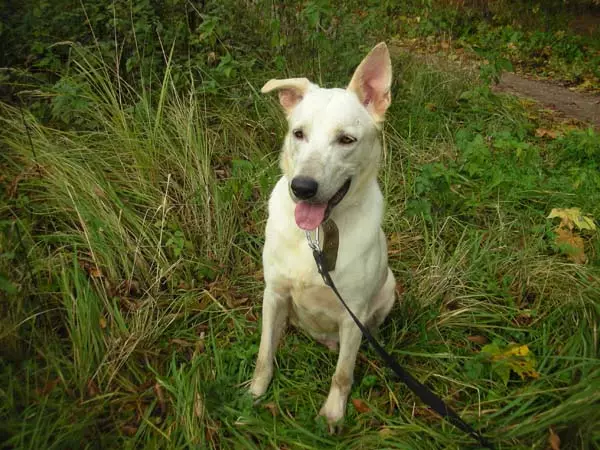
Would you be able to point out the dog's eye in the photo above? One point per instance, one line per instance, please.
(298, 134)
(346, 140)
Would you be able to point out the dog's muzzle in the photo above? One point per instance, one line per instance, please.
(309, 215)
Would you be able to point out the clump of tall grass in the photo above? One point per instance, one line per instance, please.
(133, 216)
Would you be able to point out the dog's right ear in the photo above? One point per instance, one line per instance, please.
(290, 91)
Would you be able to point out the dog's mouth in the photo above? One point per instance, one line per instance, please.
(310, 215)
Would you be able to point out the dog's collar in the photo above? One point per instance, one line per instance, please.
(337, 197)
(331, 243)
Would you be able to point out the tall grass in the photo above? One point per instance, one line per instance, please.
(134, 217)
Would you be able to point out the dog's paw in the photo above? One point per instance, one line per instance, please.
(334, 415)
(259, 386)
(263, 373)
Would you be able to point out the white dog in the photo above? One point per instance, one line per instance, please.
(330, 159)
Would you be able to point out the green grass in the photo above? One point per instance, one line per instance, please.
(131, 272)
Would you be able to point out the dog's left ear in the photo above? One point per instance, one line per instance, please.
(290, 91)
(372, 81)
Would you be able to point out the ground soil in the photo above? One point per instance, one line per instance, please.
(581, 106)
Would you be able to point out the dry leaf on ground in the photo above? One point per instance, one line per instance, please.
(477, 339)
(554, 440)
(571, 244)
(360, 405)
(95, 272)
(567, 238)
(272, 407)
(543, 132)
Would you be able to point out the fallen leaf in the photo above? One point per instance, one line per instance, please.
(571, 217)
(102, 323)
(543, 132)
(481, 340)
(272, 407)
(399, 288)
(234, 301)
(554, 440)
(360, 406)
(95, 272)
(567, 239)
(92, 388)
(517, 350)
(513, 358)
(571, 244)
(129, 430)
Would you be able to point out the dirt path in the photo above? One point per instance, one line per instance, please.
(581, 106)
(584, 107)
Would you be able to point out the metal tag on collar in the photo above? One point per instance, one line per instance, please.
(331, 243)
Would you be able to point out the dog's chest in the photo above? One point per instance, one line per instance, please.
(289, 265)
(291, 260)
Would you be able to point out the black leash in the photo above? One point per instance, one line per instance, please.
(428, 397)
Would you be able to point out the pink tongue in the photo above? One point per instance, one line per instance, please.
(309, 215)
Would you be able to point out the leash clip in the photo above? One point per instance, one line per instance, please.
(318, 255)
(313, 243)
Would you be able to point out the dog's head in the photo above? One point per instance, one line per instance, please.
(332, 145)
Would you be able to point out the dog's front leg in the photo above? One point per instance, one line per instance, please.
(341, 383)
(274, 315)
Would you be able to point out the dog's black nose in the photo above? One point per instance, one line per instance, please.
(304, 187)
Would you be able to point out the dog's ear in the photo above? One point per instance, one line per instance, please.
(372, 81)
(290, 91)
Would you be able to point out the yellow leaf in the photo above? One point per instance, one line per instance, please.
(519, 350)
(515, 358)
(572, 217)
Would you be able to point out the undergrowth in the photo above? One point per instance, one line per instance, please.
(553, 39)
(132, 224)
